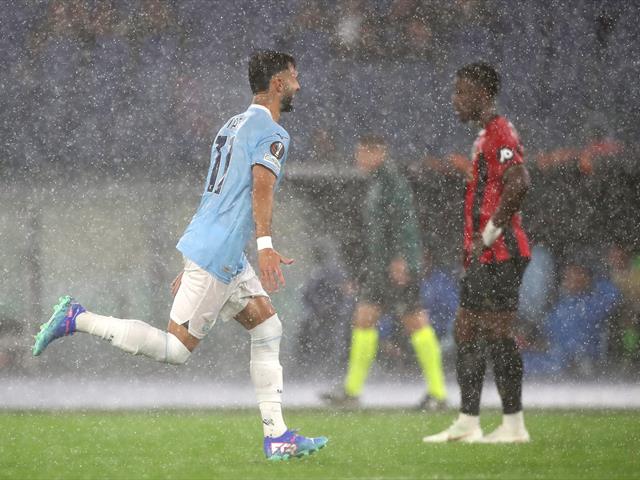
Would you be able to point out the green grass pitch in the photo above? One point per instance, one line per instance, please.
(223, 444)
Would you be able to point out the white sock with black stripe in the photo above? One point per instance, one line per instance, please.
(266, 374)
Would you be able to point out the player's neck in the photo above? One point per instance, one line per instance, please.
(486, 116)
(270, 103)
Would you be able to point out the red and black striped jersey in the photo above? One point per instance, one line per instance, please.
(495, 150)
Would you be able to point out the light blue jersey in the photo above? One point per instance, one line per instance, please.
(223, 224)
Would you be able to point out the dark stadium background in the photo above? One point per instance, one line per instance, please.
(108, 110)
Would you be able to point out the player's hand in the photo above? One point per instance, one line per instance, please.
(604, 147)
(175, 285)
(461, 164)
(270, 272)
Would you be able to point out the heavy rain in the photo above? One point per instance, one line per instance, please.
(110, 111)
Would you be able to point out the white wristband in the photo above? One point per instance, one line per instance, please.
(264, 242)
(490, 233)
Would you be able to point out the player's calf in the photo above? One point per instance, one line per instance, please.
(131, 336)
(508, 369)
(470, 370)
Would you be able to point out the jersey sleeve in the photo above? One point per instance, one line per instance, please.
(505, 150)
(270, 152)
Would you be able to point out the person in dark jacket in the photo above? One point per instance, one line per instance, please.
(389, 277)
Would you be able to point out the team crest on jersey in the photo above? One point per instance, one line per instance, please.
(277, 149)
(505, 154)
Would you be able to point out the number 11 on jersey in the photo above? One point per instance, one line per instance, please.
(220, 143)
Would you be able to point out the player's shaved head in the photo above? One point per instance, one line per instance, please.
(264, 64)
(482, 75)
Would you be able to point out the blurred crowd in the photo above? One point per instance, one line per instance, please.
(138, 84)
(579, 317)
(132, 89)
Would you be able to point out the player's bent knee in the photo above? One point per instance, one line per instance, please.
(176, 352)
(366, 315)
(257, 311)
(270, 328)
(277, 326)
(414, 321)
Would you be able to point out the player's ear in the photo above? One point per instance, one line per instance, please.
(277, 84)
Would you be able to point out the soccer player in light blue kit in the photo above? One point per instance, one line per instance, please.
(247, 158)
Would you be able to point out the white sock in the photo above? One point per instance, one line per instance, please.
(514, 421)
(266, 374)
(134, 336)
(272, 422)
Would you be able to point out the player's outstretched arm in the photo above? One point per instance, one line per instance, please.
(269, 260)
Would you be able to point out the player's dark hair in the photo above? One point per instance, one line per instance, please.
(372, 140)
(263, 65)
(483, 75)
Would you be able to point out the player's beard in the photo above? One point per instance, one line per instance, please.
(466, 116)
(286, 103)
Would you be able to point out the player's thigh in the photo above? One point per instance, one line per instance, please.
(497, 325)
(492, 287)
(197, 303)
(476, 286)
(467, 326)
(499, 321)
(405, 303)
(493, 293)
(248, 304)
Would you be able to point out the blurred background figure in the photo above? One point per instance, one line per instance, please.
(389, 277)
(328, 296)
(12, 352)
(577, 324)
(440, 295)
(624, 329)
(108, 108)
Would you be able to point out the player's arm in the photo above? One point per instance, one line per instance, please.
(264, 181)
(376, 222)
(405, 227)
(516, 182)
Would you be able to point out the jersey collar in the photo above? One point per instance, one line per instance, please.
(261, 107)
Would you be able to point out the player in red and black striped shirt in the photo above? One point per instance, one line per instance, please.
(496, 253)
(497, 162)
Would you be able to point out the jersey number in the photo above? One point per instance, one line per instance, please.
(220, 142)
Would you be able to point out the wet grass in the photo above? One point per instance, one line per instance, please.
(370, 444)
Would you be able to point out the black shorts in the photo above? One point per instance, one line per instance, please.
(492, 287)
(392, 299)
